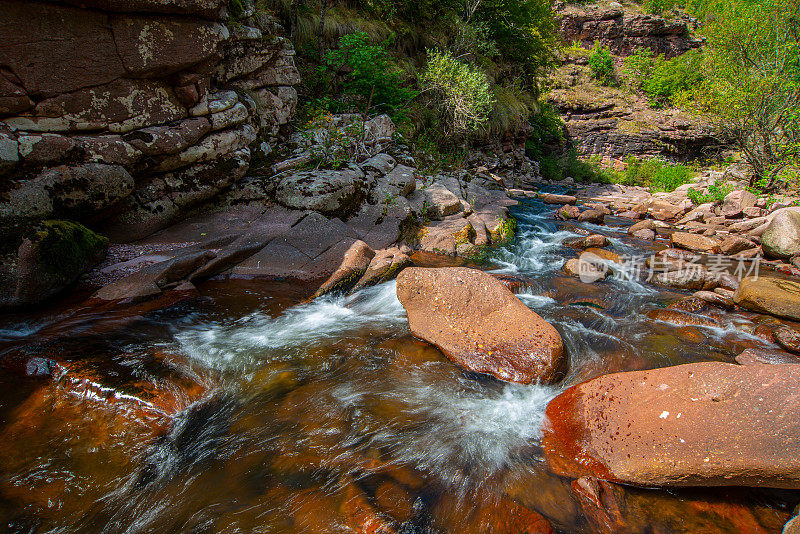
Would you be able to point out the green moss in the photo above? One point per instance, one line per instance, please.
(65, 247)
(505, 232)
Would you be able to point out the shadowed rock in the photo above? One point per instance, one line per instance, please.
(480, 325)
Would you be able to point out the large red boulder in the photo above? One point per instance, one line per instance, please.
(700, 424)
(477, 322)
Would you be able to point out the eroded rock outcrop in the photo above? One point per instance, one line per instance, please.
(622, 32)
(127, 115)
(477, 322)
(136, 102)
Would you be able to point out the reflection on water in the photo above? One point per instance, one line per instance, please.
(251, 411)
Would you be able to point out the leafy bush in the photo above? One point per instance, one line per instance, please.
(547, 129)
(670, 177)
(462, 90)
(374, 78)
(656, 174)
(581, 170)
(659, 7)
(602, 64)
(716, 193)
(663, 80)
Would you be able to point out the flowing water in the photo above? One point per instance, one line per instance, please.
(250, 410)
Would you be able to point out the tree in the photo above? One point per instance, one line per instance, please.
(752, 68)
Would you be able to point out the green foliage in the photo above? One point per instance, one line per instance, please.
(659, 7)
(656, 174)
(547, 129)
(664, 81)
(752, 70)
(602, 65)
(334, 145)
(572, 165)
(373, 76)
(462, 91)
(524, 32)
(716, 193)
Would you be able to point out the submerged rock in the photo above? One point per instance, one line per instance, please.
(479, 324)
(701, 424)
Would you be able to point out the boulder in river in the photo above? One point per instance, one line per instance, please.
(774, 296)
(477, 322)
(700, 424)
(694, 242)
(781, 238)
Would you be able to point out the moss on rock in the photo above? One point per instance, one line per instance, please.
(65, 247)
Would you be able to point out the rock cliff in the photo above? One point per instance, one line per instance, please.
(126, 115)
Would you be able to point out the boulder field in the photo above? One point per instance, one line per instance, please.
(477, 322)
(700, 424)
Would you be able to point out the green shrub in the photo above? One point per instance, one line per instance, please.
(583, 170)
(659, 7)
(462, 91)
(664, 81)
(547, 129)
(656, 174)
(373, 78)
(716, 193)
(602, 65)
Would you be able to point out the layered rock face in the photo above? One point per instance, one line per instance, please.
(128, 114)
(623, 32)
(608, 121)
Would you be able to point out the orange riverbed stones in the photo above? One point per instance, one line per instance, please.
(700, 424)
(480, 325)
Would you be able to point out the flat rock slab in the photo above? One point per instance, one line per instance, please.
(477, 322)
(701, 424)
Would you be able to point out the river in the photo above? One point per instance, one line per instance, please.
(250, 410)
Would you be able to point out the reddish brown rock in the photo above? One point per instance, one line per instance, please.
(173, 44)
(694, 242)
(354, 265)
(593, 240)
(552, 198)
(567, 212)
(788, 338)
(384, 267)
(84, 55)
(768, 356)
(734, 245)
(591, 216)
(701, 424)
(736, 201)
(680, 318)
(395, 500)
(480, 325)
(614, 509)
